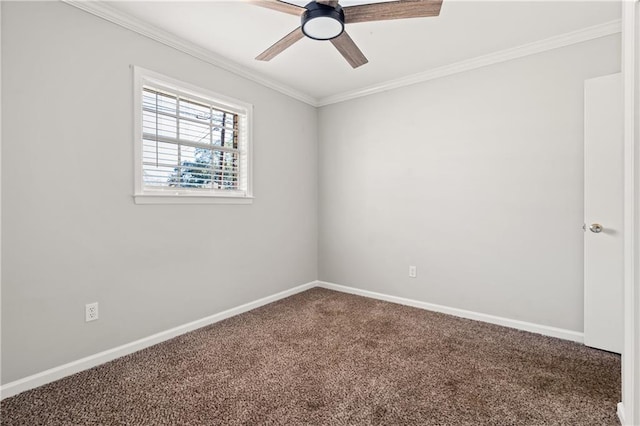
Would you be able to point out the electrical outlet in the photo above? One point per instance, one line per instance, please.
(413, 272)
(91, 312)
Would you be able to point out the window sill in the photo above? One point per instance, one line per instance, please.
(190, 199)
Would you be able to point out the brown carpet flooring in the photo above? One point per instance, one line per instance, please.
(328, 358)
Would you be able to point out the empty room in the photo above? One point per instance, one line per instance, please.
(354, 212)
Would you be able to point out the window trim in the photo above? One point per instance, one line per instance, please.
(142, 77)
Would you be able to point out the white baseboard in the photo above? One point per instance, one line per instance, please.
(53, 374)
(545, 330)
(620, 412)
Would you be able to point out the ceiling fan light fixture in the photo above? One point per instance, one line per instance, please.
(322, 22)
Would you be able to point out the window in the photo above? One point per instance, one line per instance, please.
(191, 145)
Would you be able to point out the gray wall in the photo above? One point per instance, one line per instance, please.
(71, 233)
(476, 178)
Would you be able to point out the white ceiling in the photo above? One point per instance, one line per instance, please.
(239, 31)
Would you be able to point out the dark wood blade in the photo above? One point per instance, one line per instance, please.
(349, 50)
(281, 45)
(280, 6)
(391, 10)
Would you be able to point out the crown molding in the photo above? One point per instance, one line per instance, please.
(104, 11)
(579, 36)
(109, 13)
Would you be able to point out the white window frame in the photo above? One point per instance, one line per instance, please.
(143, 77)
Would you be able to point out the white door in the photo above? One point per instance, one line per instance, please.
(603, 213)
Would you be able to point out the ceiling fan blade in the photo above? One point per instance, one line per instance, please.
(280, 6)
(349, 50)
(391, 10)
(281, 45)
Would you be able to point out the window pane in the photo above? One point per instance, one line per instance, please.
(159, 152)
(223, 137)
(195, 132)
(229, 139)
(194, 110)
(195, 168)
(156, 176)
(166, 104)
(168, 153)
(158, 125)
(218, 118)
(149, 122)
(166, 126)
(223, 119)
(148, 99)
(225, 170)
(160, 101)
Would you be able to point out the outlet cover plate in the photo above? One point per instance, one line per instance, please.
(413, 272)
(91, 312)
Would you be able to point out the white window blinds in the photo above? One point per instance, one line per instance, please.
(189, 144)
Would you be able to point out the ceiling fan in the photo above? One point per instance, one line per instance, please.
(325, 20)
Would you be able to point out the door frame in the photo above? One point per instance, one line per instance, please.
(629, 408)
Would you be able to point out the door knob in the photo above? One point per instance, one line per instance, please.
(596, 227)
